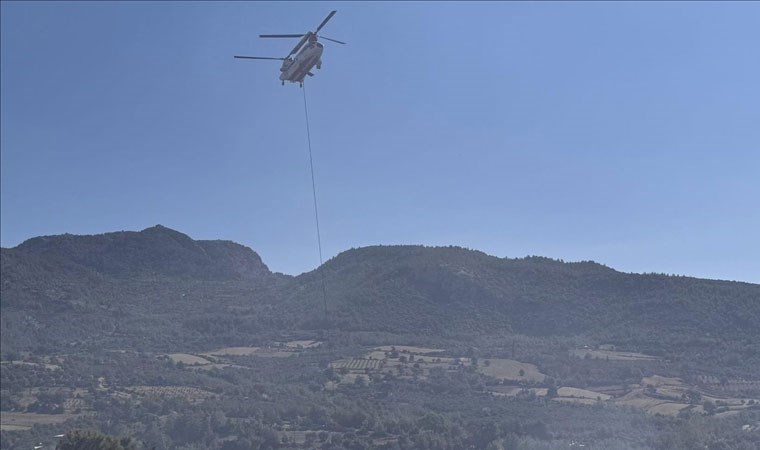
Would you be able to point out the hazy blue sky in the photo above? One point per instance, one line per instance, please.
(625, 133)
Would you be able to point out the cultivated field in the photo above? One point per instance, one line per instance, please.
(508, 369)
(33, 364)
(188, 359)
(303, 344)
(270, 352)
(571, 392)
(357, 364)
(190, 393)
(233, 351)
(670, 396)
(612, 355)
(410, 361)
(24, 421)
(409, 349)
(210, 359)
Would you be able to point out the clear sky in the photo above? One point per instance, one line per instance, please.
(625, 133)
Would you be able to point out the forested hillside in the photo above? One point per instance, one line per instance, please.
(440, 291)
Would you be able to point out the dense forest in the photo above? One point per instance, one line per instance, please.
(161, 341)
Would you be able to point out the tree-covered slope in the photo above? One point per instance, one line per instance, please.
(159, 286)
(454, 290)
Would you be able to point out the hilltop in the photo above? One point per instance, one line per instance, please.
(157, 250)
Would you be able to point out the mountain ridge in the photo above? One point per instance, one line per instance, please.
(226, 289)
(37, 245)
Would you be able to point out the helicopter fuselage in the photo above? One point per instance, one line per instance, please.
(295, 69)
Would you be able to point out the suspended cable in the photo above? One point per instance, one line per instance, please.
(314, 193)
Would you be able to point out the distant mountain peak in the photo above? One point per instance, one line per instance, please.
(154, 250)
(160, 229)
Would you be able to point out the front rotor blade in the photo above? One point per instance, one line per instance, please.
(300, 43)
(257, 57)
(332, 40)
(329, 16)
(280, 35)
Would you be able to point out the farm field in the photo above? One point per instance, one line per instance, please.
(582, 393)
(189, 393)
(272, 352)
(233, 351)
(418, 361)
(188, 359)
(210, 359)
(303, 344)
(25, 421)
(357, 364)
(405, 362)
(410, 349)
(512, 391)
(669, 396)
(651, 403)
(508, 369)
(612, 355)
(33, 364)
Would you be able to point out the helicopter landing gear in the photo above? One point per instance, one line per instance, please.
(283, 82)
(300, 84)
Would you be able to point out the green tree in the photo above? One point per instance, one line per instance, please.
(552, 392)
(92, 440)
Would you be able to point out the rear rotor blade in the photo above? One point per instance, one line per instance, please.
(329, 16)
(332, 40)
(280, 35)
(257, 57)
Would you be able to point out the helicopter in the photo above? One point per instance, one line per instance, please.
(295, 68)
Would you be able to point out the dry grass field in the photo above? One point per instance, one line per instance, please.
(656, 380)
(667, 408)
(582, 393)
(508, 369)
(612, 355)
(512, 391)
(303, 344)
(250, 351)
(188, 359)
(33, 364)
(25, 421)
(409, 349)
(210, 359)
(233, 351)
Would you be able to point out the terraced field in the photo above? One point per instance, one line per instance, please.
(190, 393)
(357, 364)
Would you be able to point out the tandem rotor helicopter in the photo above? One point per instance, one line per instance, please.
(295, 69)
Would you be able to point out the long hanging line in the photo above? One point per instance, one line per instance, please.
(314, 193)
